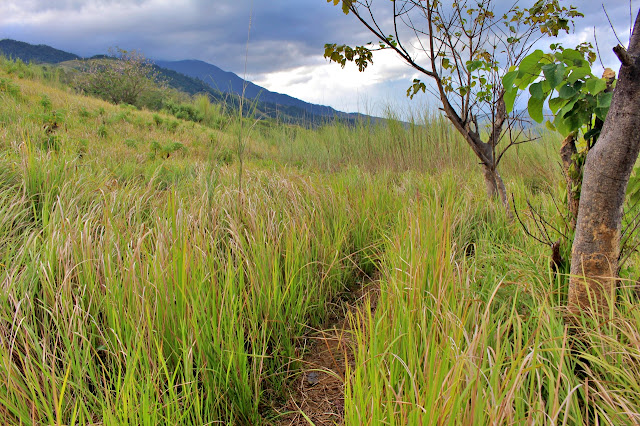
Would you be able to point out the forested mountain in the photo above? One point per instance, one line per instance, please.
(40, 53)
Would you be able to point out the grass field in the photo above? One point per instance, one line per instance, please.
(148, 279)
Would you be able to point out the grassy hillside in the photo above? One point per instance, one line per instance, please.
(160, 271)
(192, 78)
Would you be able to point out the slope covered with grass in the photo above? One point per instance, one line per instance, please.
(146, 279)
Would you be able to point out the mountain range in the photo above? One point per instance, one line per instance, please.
(193, 77)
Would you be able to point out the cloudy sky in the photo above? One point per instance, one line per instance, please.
(287, 37)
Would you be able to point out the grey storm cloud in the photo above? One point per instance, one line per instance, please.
(283, 33)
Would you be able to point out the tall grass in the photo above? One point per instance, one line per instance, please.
(481, 339)
(135, 289)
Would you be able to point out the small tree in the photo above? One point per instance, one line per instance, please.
(578, 100)
(120, 78)
(464, 49)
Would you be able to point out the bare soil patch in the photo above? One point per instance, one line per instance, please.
(317, 395)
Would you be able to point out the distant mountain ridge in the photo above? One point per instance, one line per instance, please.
(40, 53)
(193, 77)
(229, 82)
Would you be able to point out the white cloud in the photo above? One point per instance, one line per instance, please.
(345, 89)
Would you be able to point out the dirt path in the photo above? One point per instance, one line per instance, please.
(317, 396)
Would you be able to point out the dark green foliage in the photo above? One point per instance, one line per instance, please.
(84, 113)
(6, 86)
(156, 149)
(50, 142)
(184, 112)
(45, 102)
(131, 143)
(564, 79)
(102, 131)
(120, 78)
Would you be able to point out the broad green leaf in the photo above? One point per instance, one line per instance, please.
(596, 85)
(573, 56)
(575, 119)
(445, 63)
(474, 65)
(578, 74)
(561, 126)
(535, 109)
(566, 91)
(531, 63)
(510, 98)
(525, 79)
(601, 113)
(556, 103)
(536, 91)
(554, 73)
(567, 108)
(604, 100)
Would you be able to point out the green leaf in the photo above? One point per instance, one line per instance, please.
(554, 73)
(445, 63)
(604, 100)
(579, 74)
(525, 79)
(560, 125)
(474, 65)
(596, 85)
(591, 133)
(535, 109)
(567, 92)
(510, 98)
(567, 108)
(573, 56)
(536, 91)
(508, 79)
(601, 113)
(531, 63)
(556, 103)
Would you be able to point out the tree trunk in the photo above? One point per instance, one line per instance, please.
(495, 187)
(569, 166)
(596, 245)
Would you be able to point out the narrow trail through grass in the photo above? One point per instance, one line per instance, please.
(317, 393)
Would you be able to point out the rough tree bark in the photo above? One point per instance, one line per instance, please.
(567, 152)
(596, 245)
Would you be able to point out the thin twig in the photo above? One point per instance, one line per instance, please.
(526, 230)
(610, 24)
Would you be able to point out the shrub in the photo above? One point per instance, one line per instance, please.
(184, 112)
(6, 86)
(120, 78)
